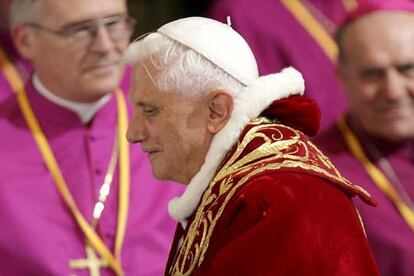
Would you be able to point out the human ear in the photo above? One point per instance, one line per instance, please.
(220, 109)
(24, 40)
(342, 72)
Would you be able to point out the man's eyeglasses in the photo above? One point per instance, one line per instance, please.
(82, 34)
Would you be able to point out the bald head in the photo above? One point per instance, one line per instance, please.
(22, 11)
(380, 29)
(377, 71)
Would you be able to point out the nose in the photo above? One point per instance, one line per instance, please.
(395, 85)
(102, 41)
(137, 132)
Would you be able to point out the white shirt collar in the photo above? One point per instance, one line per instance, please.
(85, 111)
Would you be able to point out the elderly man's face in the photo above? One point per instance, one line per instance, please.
(76, 60)
(378, 73)
(171, 128)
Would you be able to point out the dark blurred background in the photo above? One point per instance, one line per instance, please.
(151, 14)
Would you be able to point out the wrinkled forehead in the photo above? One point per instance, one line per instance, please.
(143, 81)
(144, 72)
(144, 87)
(60, 12)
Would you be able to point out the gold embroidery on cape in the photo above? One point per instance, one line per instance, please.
(276, 152)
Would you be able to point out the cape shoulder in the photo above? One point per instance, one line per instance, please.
(263, 147)
(266, 145)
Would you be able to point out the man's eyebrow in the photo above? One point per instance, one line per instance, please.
(404, 66)
(139, 103)
(86, 21)
(143, 104)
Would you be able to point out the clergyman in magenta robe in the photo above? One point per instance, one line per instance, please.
(39, 234)
(373, 145)
(390, 237)
(79, 118)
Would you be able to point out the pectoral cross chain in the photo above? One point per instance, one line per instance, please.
(91, 262)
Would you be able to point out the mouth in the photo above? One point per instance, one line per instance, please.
(107, 66)
(396, 112)
(395, 109)
(150, 152)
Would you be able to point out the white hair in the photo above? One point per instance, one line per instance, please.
(23, 11)
(180, 68)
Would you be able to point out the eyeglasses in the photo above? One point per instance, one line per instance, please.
(82, 34)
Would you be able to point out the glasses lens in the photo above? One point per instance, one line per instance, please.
(119, 28)
(80, 38)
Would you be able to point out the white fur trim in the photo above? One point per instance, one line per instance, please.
(247, 106)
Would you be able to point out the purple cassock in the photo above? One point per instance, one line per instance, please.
(390, 237)
(278, 39)
(38, 234)
(22, 66)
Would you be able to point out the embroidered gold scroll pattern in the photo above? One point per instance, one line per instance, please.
(286, 147)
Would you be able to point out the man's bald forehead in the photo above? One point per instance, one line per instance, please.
(369, 27)
(383, 19)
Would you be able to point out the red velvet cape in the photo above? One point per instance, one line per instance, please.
(277, 206)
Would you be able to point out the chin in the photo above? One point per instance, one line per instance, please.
(105, 72)
(107, 80)
(100, 89)
(398, 134)
(163, 175)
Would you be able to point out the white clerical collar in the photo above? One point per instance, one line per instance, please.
(85, 111)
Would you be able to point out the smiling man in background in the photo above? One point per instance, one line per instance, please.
(373, 144)
(73, 199)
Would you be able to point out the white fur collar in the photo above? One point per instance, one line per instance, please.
(247, 106)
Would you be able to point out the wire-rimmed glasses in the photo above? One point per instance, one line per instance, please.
(81, 34)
